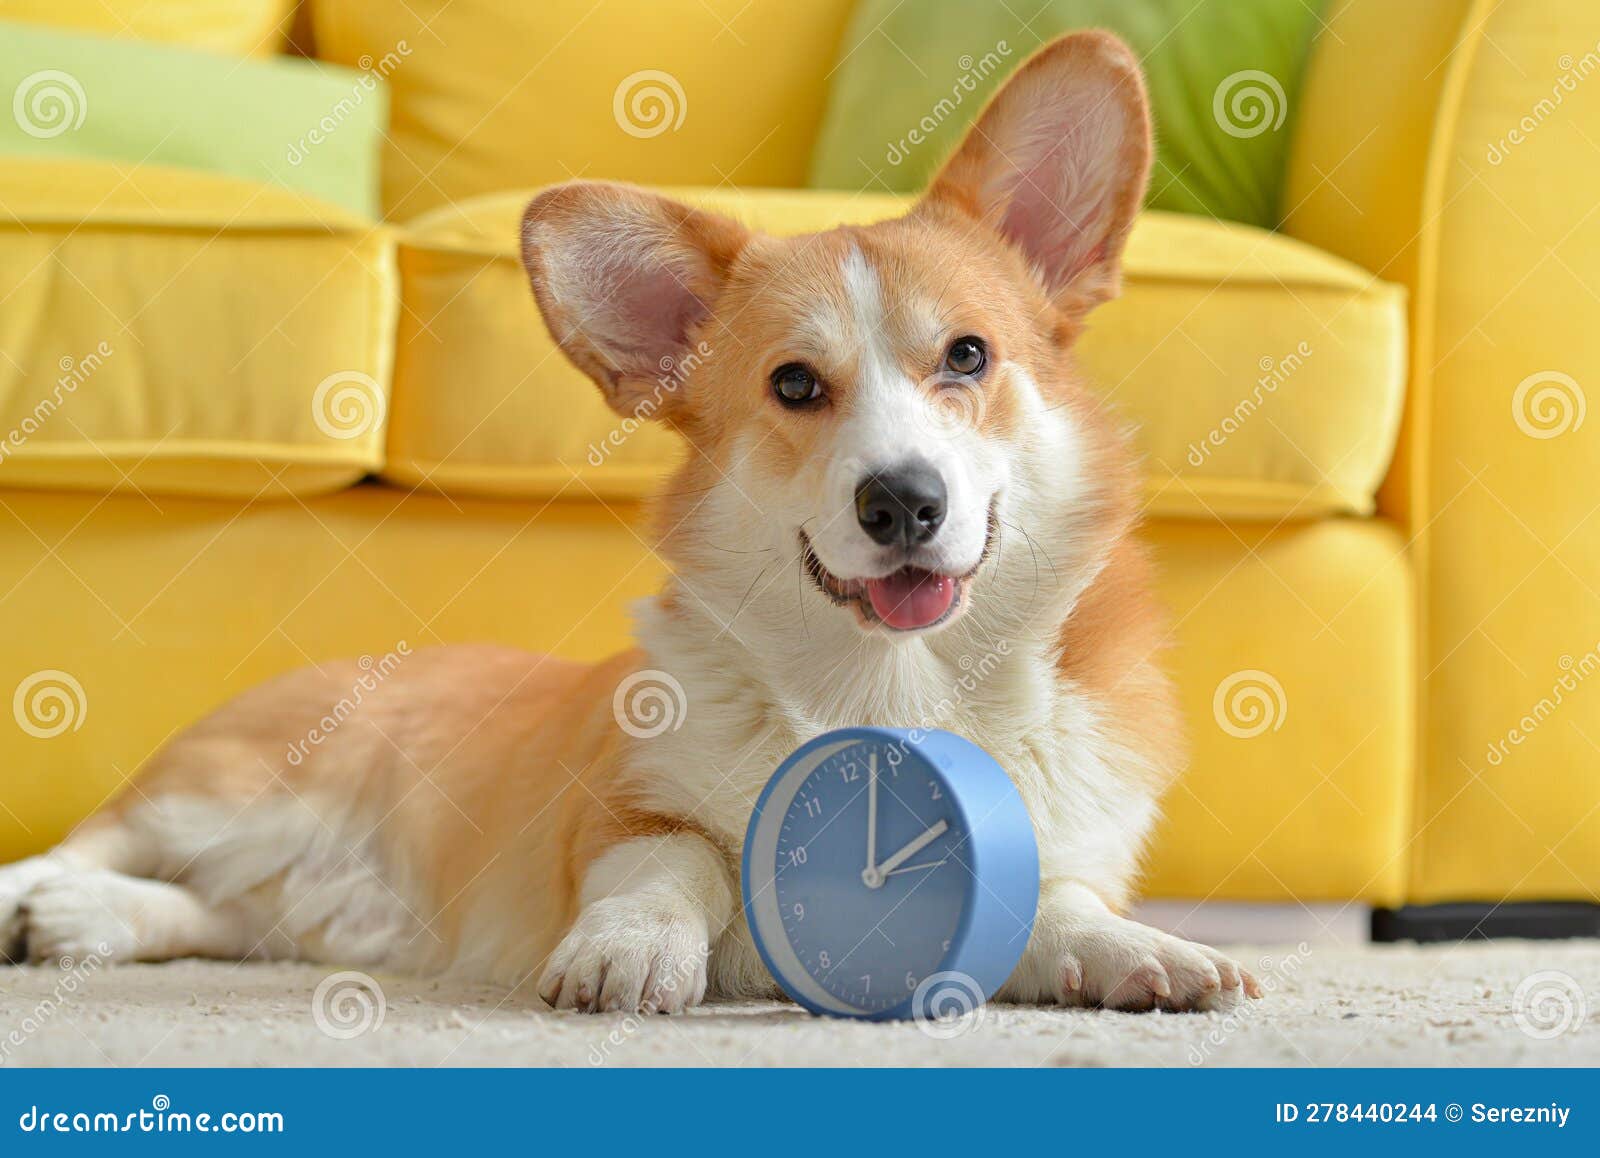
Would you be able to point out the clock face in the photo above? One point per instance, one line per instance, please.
(871, 873)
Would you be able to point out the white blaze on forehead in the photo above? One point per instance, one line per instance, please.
(870, 312)
(864, 293)
(883, 395)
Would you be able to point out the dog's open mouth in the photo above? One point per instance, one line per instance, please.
(909, 599)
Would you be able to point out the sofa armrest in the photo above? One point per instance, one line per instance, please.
(1463, 161)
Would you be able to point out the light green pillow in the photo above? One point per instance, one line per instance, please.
(314, 128)
(1223, 76)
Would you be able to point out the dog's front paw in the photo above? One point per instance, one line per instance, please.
(630, 953)
(16, 881)
(77, 916)
(1120, 964)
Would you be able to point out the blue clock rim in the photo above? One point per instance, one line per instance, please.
(910, 739)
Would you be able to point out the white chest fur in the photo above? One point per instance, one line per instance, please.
(1090, 810)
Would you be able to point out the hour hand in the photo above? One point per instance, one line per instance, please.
(916, 845)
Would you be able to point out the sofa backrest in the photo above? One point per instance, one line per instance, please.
(673, 92)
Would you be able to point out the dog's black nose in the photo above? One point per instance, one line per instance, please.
(901, 506)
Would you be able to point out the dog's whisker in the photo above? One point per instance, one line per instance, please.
(728, 627)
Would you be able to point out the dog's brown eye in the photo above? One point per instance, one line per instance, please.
(795, 385)
(967, 356)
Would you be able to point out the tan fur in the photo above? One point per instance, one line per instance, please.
(469, 756)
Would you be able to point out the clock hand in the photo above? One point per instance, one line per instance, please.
(911, 868)
(872, 812)
(911, 849)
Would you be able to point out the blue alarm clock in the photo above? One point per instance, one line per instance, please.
(890, 874)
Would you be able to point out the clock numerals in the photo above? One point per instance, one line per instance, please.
(857, 857)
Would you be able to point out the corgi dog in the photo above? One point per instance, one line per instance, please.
(895, 468)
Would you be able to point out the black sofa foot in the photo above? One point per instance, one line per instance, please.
(1538, 920)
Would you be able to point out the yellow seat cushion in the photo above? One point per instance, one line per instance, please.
(1266, 378)
(145, 616)
(231, 27)
(1294, 655)
(487, 95)
(181, 332)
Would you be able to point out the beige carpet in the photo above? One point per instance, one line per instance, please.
(1509, 1003)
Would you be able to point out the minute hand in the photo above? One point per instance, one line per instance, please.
(916, 846)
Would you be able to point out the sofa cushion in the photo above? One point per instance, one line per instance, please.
(312, 127)
(1266, 377)
(489, 95)
(175, 331)
(1223, 76)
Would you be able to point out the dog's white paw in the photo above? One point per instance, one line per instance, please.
(78, 915)
(16, 881)
(1120, 964)
(630, 953)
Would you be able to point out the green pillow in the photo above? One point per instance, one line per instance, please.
(314, 128)
(1223, 75)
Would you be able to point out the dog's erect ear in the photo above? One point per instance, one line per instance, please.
(1057, 164)
(623, 277)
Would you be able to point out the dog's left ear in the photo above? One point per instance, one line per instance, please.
(1057, 164)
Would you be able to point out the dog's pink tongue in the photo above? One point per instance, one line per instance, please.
(911, 598)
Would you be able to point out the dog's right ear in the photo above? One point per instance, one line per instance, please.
(623, 278)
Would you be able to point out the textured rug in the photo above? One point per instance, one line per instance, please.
(1507, 1003)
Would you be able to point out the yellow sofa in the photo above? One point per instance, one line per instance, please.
(240, 432)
